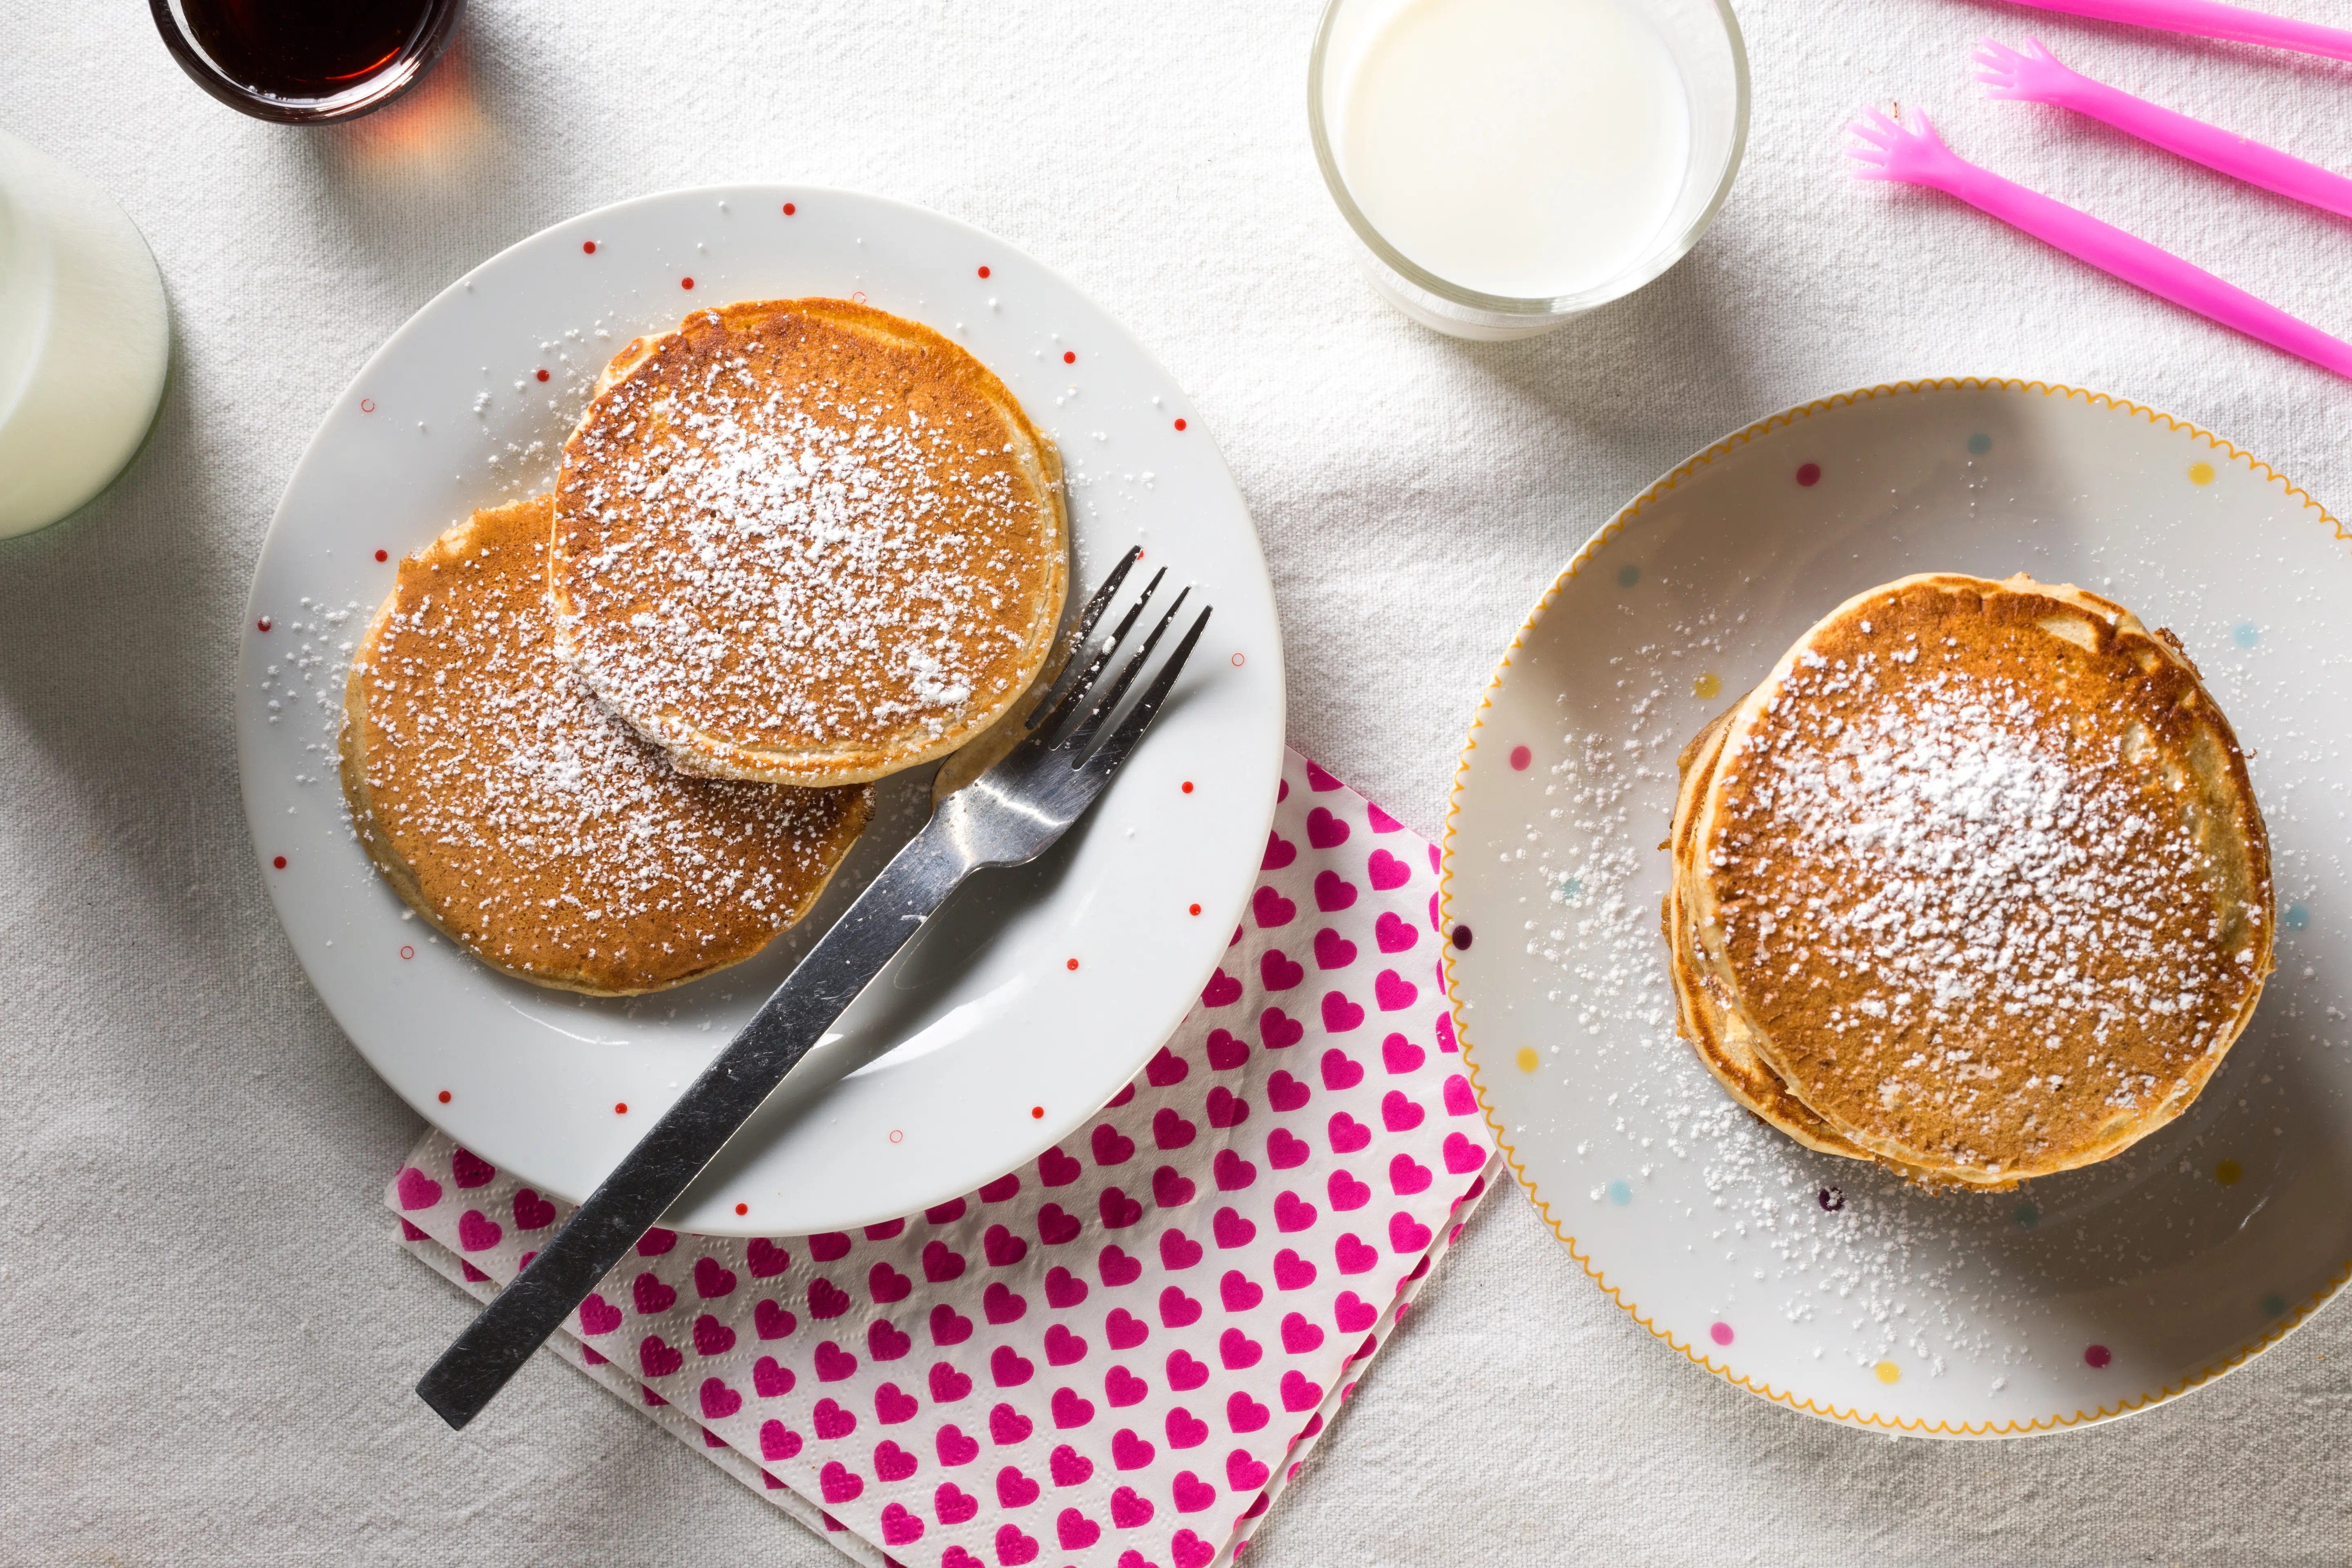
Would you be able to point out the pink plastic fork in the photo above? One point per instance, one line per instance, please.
(2210, 19)
(2031, 75)
(1915, 155)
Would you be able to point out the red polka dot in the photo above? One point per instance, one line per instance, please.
(367, 405)
(262, 625)
(280, 862)
(685, 282)
(1037, 1113)
(1188, 786)
(983, 272)
(620, 1108)
(1180, 424)
(445, 1096)
(1074, 964)
(1520, 758)
(1239, 662)
(746, 1208)
(542, 376)
(589, 246)
(2098, 1355)
(1809, 474)
(1069, 356)
(1196, 909)
(408, 952)
(1720, 1334)
(790, 209)
(381, 555)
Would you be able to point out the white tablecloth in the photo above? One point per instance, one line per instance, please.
(209, 1336)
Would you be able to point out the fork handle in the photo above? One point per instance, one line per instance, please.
(2211, 20)
(2136, 262)
(658, 1171)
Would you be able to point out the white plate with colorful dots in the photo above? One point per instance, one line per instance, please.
(1817, 1282)
(1034, 996)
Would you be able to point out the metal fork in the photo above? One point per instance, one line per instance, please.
(1012, 812)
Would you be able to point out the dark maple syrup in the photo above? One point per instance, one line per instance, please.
(299, 50)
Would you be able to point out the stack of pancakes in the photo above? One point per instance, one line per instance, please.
(616, 738)
(1973, 883)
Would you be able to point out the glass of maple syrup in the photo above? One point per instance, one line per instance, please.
(307, 62)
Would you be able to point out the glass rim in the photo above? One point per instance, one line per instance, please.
(365, 98)
(1649, 266)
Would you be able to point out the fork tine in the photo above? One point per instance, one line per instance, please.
(1101, 601)
(1057, 704)
(1121, 741)
(1079, 738)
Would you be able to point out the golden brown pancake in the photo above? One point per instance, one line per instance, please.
(1980, 867)
(806, 541)
(537, 830)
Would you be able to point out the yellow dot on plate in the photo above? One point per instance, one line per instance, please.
(2228, 1171)
(1706, 685)
(1526, 1059)
(2200, 473)
(1889, 1372)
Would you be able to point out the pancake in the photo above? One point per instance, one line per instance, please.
(539, 833)
(1980, 869)
(806, 541)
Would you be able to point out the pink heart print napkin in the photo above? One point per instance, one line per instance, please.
(1117, 1355)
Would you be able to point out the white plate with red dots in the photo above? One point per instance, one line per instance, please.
(1034, 996)
(1815, 1282)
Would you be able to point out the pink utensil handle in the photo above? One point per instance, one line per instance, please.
(2210, 145)
(2138, 263)
(2211, 20)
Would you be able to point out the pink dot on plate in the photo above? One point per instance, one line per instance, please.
(1809, 474)
(2098, 1355)
(1720, 1334)
(1520, 758)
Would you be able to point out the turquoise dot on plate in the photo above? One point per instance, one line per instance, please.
(1620, 1192)
(1571, 890)
(2245, 634)
(2273, 1305)
(2296, 917)
(2027, 1217)
(1628, 576)
(1980, 443)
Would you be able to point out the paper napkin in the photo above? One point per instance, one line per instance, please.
(1118, 1355)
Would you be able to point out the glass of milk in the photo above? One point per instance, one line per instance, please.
(1508, 163)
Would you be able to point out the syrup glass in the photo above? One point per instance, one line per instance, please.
(402, 68)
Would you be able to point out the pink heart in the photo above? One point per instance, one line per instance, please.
(1406, 1234)
(1333, 893)
(1244, 1413)
(893, 1404)
(1408, 1175)
(1446, 1041)
(1401, 1056)
(1354, 1314)
(1178, 1250)
(1299, 1338)
(1186, 1430)
(1340, 1070)
(652, 1296)
(1115, 1267)
(718, 1401)
(471, 1170)
(1170, 1190)
(1167, 1067)
(1285, 1092)
(1119, 1211)
(825, 1246)
(1012, 1547)
(949, 1327)
(1347, 1193)
(838, 1482)
(1002, 1304)
(1292, 1213)
(772, 1322)
(1056, 1169)
(1284, 1152)
(1278, 1030)
(1075, 1530)
(1004, 1248)
(955, 1448)
(1194, 1494)
(1399, 1114)
(1277, 973)
(1071, 1408)
(833, 1363)
(1238, 1351)
(598, 1316)
(1064, 1348)
(1462, 1156)
(1112, 1147)
(1394, 934)
(1270, 909)
(416, 1190)
(1064, 1289)
(948, 1385)
(1339, 1015)
(1297, 1394)
(771, 1378)
(1010, 1368)
(825, 1300)
(1238, 1293)
(1130, 1451)
(1382, 821)
(1221, 990)
(1191, 1551)
(1014, 1490)
(940, 1264)
(778, 1441)
(1007, 1427)
(1353, 1255)
(1056, 1225)
(952, 1503)
(1230, 1229)
(1347, 1133)
(1279, 852)
(1461, 1099)
(476, 1232)
(1233, 1173)
(884, 1283)
(765, 1259)
(1003, 1187)
(1394, 992)
(532, 1212)
(884, 1342)
(1385, 871)
(1226, 1109)
(1292, 1272)
(1226, 1050)
(1325, 831)
(1246, 1473)
(1177, 1310)
(898, 1526)
(1170, 1131)
(1184, 1372)
(1125, 1330)
(711, 1281)
(948, 1211)
(885, 1230)
(1333, 950)
(656, 1357)
(1320, 781)
(1068, 1467)
(713, 1337)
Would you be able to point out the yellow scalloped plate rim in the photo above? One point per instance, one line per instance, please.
(1854, 1415)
